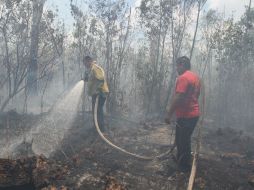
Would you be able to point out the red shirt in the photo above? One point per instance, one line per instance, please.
(189, 84)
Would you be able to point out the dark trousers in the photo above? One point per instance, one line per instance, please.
(100, 114)
(184, 130)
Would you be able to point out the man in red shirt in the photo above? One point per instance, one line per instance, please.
(186, 108)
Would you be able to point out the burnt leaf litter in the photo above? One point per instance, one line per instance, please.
(85, 161)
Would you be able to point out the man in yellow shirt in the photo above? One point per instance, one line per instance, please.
(97, 86)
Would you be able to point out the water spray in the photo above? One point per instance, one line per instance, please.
(51, 130)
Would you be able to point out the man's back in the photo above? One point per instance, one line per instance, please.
(189, 84)
(97, 82)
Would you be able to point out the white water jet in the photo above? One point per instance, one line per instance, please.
(50, 131)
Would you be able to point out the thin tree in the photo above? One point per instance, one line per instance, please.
(201, 4)
(37, 7)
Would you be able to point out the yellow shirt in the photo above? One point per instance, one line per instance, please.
(96, 81)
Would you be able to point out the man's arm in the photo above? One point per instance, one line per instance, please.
(177, 98)
(86, 76)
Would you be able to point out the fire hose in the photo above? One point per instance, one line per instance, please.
(121, 149)
(196, 154)
(198, 144)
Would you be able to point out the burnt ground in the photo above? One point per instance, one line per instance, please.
(84, 161)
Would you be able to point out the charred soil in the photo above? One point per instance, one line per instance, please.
(84, 161)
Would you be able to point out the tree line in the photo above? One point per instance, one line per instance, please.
(137, 47)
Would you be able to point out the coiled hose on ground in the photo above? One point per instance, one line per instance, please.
(119, 148)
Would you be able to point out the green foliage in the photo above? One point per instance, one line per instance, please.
(10, 3)
(234, 45)
(108, 10)
(75, 11)
(154, 12)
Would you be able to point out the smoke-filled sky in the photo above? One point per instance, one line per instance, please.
(229, 7)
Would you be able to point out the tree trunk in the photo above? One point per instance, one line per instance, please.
(196, 29)
(161, 75)
(155, 71)
(35, 31)
(7, 61)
